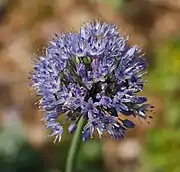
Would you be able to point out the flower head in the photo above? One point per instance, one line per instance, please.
(92, 74)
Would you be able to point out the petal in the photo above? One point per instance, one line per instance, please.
(72, 128)
(128, 124)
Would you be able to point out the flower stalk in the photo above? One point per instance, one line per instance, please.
(75, 146)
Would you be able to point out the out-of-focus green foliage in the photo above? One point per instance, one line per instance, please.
(164, 78)
(90, 157)
(16, 155)
(162, 151)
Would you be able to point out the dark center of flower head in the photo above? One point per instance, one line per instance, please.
(92, 93)
(92, 74)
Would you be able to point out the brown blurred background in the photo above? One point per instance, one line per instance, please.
(25, 27)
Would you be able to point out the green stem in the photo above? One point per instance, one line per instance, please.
(74, 147)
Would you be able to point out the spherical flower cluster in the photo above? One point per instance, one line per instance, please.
(92, 74)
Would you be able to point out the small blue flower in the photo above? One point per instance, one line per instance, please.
(92, 74)
(90, 108)
(72, 127)
(106, 102)
(57, 130)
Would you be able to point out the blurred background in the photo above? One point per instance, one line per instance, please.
(25, 27)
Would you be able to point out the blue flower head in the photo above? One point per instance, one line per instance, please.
(92, 74)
